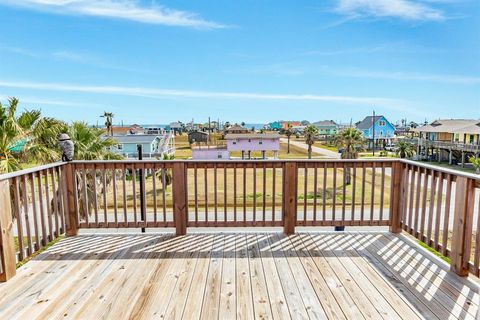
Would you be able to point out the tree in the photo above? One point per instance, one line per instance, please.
(165, 175)
(310, 133)
(288, 133)
(404, 149)
(91, 145)
(26, 136)
(108, 122)
(476, 164)
(350, 141)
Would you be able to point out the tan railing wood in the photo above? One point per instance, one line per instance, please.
(7, 245)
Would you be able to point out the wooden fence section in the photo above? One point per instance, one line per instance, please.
(34, 215)
(441, 208)
(438, 206)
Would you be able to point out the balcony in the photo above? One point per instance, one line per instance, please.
(272, 253)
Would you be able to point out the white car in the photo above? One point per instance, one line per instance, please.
(390, 147)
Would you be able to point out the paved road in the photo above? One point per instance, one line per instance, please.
(321, 151)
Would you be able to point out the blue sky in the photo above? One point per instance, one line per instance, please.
(253, 61)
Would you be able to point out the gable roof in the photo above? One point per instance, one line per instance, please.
(367, 122)
(325, 123)
(451, 126)
(252, 136)
(134, 138)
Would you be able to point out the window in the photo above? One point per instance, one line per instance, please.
(234, 142)
(381, 123)
(249, 140)
(219, 156)
(119, 146)
(260, 142)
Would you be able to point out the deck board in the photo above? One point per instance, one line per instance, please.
(262, 275)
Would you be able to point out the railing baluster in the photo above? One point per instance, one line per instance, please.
(254, 193)
(235, 193)
(417, 202)
(446, 217)
(18, 214)
(439, 211)
(195, 187)
(49, 207)
(382, 192)
(55, 204)
(154, 187)
(372, 195)
(362, 206)
(305, 194)
(344, 191)
(164, 192)
(23, 182)
(274, 176)
(354, 189)
(38, 243)
(264, 192)
(315, 191)
(424, 206)
(225, 192)
(324, 193)
(433, 186)
(215, 188)
(114, 186)
(104, 194)
(334, 193)
(124, 194)
(134, 190)
(411, 199)
(93, 172)
(206, 191)
(244, 177)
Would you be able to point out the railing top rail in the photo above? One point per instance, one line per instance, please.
(440, 169)
(128, 161)
(20, 173)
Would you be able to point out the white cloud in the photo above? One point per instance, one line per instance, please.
(403, 9)
(119, 9)
(160, 93)
(409, 76)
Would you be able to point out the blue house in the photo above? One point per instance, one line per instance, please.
(384, 130)
(276, 125)
(152, 145)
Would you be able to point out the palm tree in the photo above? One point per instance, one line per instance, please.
(26, 136)
(108, 122)
(404, 149)
(351, 141)
(310, 133)
(90, 145)
(476, 164)
(288, 133)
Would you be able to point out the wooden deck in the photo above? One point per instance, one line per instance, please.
(237, 276)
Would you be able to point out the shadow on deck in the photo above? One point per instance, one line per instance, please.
(238, 275)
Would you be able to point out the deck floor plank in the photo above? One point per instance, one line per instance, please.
(351, 275)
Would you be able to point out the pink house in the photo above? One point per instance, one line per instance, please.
(210, 153)
(248, 142)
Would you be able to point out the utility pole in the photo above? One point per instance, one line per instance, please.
(373, 134)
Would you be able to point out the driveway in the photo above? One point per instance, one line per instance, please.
(320, 151)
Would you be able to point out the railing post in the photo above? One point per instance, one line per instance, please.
(179, 188)
(7, 245)
(289, 197)
(72, 222)
(462, 225)
(397, 197)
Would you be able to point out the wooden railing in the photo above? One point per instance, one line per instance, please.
(435, 205)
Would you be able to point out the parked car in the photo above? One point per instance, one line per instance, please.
(390, 147)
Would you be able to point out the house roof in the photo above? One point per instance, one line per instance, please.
(134, 138)
(451, 126)
(367, 122)
(236, 127)
(325, 123)
(252, 136)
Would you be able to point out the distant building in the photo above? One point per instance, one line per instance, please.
(377, 130)
(210, 153)
(236, 129)
(198, 137)
(292, 123)
(152, 145)
(276, 125)
(175, 127)
(122, 130)
(326, 128)
(248, 142)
